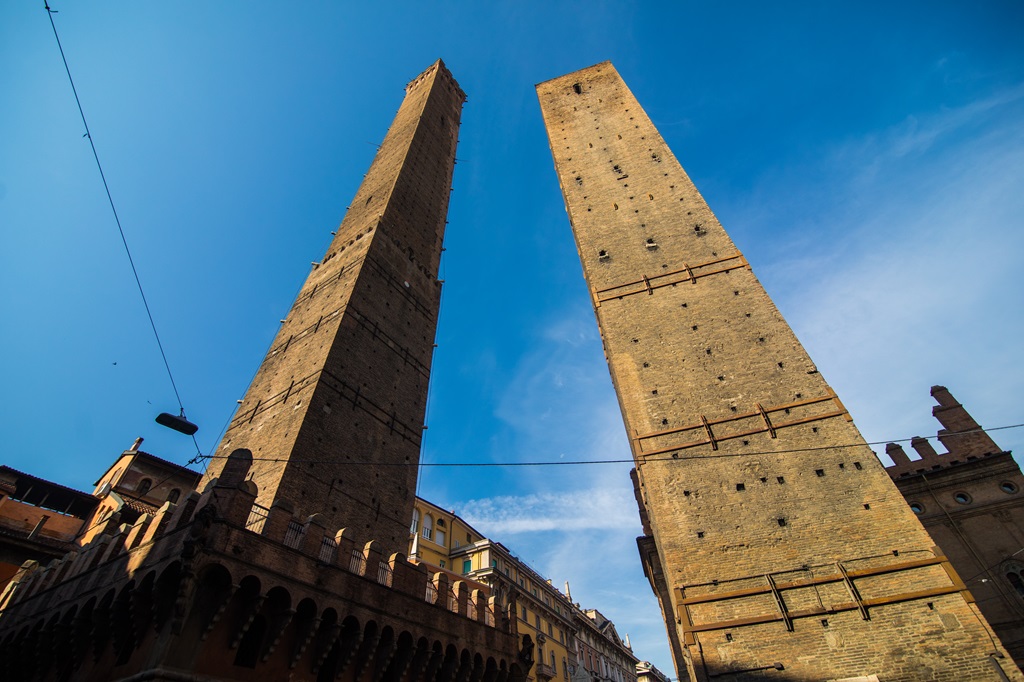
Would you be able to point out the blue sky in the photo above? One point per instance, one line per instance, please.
(866, 157)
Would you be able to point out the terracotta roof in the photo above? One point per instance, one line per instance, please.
(167, 463)
(138, 505)
(5, 468)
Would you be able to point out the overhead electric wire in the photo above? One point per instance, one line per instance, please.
(117, 219)
(620, 461)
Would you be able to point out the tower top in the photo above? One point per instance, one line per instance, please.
(445, 75)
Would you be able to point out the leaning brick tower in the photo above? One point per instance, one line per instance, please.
(334, 416)
(774, 539)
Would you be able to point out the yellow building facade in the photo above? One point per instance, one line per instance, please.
(445, 542)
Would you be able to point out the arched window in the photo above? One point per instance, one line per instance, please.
(173, 495)
(144, 486)
(1014, 572)
(1015, 580)
(428, 527)
(415, 521)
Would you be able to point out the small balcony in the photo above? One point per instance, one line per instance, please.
(543, 672)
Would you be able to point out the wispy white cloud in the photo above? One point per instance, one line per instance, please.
(922, 285)
(566, 512)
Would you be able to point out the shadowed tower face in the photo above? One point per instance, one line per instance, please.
(334, 416)
(772, 533)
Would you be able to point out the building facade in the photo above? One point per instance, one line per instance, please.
(648, 672)
(289, 561)
(773, 537)
(970, 500)
(603, 656)
(541, 611)
(572, 644)
(39, 520)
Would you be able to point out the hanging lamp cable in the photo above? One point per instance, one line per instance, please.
(88, 134)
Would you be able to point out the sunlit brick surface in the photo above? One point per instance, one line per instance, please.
(340, 397)
(779, 537)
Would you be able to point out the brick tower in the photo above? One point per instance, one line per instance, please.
(971, 500)
(334, 416)
(777, 544)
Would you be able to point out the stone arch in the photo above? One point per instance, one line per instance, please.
(385, 651)
(45, 644)
(81, 631)
(124, 626)
(325, 638)
(367, 647)
(277, 611)
(165, 593)
(102, 624)
(142, 606)
(465, 668)
(248, 652)
(213, 587)
(26, 664)
(62, 653)
(435, 658)
(342, 647)
(242, 614)
(302, 627)
(405, 650)
(477, 674)
(419, 655)
(502, 671)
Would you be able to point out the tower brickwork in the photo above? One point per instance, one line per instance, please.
(971, 500)
(335, 414)
(774, 539)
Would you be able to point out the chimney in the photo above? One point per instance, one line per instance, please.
(896, 454)
(924, 448)
(135, 445)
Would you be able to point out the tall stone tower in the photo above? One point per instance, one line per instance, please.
(776, 542)
(334, 416)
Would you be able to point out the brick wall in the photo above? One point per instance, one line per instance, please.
(340, 398)
(752, 474)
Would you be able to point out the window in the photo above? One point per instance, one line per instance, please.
(440, 523)
(917, 508)
(550, 633)
(1008, 487)
(439, 536)
(536, 619)
(173, 496)
(144, 486)
(442, 563)
(525, 615)
(1015, 579)
(467, 566)
(457, 544)
(962, 498)
(428, 527)
(415, 521)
